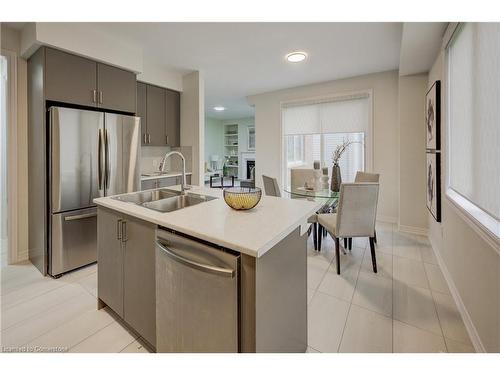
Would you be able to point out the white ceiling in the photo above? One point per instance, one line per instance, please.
(241, 59)
(420, 45)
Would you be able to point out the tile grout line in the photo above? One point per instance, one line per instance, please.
(437, 314)
(350, 303)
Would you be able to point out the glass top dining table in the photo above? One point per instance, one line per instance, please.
(319, 195)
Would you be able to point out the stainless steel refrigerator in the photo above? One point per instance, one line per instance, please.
(90, 154)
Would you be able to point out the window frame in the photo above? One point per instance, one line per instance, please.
(482, 221)
(368, 137)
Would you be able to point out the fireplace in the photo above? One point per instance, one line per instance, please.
(250, 165)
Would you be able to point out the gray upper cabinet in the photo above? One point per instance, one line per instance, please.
(116, 88)
(76, 80)
(160, 113)
(70, 78)
(155, 114)
(141, 109)
(173, 125)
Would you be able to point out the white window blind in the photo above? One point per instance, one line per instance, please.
(474, 115)
(323, 125)
(345, 114)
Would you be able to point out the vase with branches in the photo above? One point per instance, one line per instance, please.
(337, 154)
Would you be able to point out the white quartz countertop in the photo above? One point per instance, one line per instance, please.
(251, 232)
(163, 175)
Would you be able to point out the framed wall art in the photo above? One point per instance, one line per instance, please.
(433, 117)
(433, 189)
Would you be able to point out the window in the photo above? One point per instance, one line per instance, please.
(313, 130)
(473, 155)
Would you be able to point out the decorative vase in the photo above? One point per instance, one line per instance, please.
(336, 178)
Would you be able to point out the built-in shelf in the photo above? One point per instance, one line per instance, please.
(231, 135)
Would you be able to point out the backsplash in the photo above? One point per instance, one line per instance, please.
(151, 157)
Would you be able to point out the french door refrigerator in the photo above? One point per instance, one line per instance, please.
(90, 154)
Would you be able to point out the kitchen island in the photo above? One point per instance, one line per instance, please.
(261, 305)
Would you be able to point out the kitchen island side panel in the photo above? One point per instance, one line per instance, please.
(281, 297)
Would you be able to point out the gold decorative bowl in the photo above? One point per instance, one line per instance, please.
(240, 198)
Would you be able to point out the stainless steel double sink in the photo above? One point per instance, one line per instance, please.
(164, 200)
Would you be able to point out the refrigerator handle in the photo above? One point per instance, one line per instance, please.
(107, 170)
(99, 159)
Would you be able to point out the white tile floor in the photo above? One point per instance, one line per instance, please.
(406, 307)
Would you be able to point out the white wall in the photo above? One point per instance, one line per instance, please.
(91, 42)
(214, 138)
(385, 127)
(412, 203)
(193, 122)
(469, 259)
(10, 40)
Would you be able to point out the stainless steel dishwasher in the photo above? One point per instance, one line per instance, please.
(196, 296)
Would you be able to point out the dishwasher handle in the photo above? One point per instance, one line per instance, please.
(226, 272)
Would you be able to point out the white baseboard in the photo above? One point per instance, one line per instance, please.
(387, 219)
(469, 325)
(413, 230)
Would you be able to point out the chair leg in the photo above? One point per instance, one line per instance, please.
(315, 236)
(375, 236)
(320, 235)
(350, 243)
(372, 249)
(337, 254)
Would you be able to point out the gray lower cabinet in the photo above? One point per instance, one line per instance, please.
(126, 277)
(164, 182)
(110, 260)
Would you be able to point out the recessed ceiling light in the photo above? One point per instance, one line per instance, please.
(219, 108)
(295, 57)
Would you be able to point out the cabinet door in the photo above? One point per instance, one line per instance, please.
(149, 184)
(117, 88)
(155, 113)
(141, 109)
(167, 181)
(110, 260)
(173, 118)
(139, 303)
(69, 78)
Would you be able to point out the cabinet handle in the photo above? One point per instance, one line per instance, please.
(94, 96)
(100, 97)
(124, 231)
(119, 229)
(166, 138)
(149, 138)
(145, 141)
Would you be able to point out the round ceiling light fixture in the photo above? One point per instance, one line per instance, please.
(219, 108)
(295, 57)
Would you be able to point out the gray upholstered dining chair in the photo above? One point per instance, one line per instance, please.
(299, 176)
(271, 186)
(355, 217)
(366, 177)
(362, 177)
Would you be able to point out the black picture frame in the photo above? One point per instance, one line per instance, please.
(433, 187)
(433, 117)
